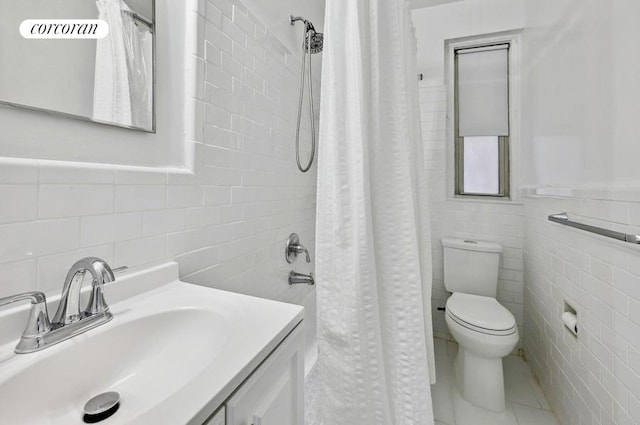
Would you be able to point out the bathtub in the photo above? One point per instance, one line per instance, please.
(311, 380)
(311, 343)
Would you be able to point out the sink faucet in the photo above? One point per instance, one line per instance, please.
(69, 308)
(68, 321)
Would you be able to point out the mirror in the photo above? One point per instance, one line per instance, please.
(108, 80)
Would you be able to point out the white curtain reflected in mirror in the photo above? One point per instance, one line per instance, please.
(124, 71)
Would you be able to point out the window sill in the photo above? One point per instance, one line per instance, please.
(484, 200)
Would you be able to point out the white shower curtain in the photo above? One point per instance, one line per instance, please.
(123, 75)
(373, 244)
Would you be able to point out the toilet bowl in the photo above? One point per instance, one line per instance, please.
(485, 332)
(484, 329)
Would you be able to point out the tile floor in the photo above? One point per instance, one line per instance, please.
(526, 404)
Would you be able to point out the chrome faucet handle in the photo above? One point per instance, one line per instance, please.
(120, 269)
(293, 248)
(38, 323)
(300, 249)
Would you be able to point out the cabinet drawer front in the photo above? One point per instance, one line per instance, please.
(273, 394)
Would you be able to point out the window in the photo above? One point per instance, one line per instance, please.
(482, 120)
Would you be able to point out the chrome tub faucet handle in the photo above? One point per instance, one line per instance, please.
(293, 248)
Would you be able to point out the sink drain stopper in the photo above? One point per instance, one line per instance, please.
(101, 407)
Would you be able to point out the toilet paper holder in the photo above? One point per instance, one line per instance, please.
(570, 319)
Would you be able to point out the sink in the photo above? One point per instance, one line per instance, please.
(131, 357)
(173, 351)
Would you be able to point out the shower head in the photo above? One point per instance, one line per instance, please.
(314, 42)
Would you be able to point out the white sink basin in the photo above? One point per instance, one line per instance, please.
(173, 353)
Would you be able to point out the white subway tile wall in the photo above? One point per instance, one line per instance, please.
(497, 222)
(594, 378)
(226, 225)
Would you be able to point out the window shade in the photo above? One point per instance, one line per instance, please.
(483, 91)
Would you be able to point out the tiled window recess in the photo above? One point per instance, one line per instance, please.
(226, 225)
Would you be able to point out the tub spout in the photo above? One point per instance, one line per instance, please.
(300, 278)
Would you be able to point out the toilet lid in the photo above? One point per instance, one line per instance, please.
(484, 313)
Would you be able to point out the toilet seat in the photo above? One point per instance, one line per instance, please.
(481, 314)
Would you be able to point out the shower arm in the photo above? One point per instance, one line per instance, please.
(308, 26)
(294, 19)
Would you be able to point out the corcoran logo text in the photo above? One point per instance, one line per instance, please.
(64, 28)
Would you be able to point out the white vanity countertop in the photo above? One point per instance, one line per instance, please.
(174, 351)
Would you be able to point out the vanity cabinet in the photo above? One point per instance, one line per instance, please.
(273, 394)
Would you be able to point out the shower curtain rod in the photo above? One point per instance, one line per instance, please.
(140, 18)
(563, 218)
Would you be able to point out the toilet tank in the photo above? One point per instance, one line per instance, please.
(471, 267)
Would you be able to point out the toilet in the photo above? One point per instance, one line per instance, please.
(484, 329)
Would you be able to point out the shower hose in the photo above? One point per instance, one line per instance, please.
(306, 51)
